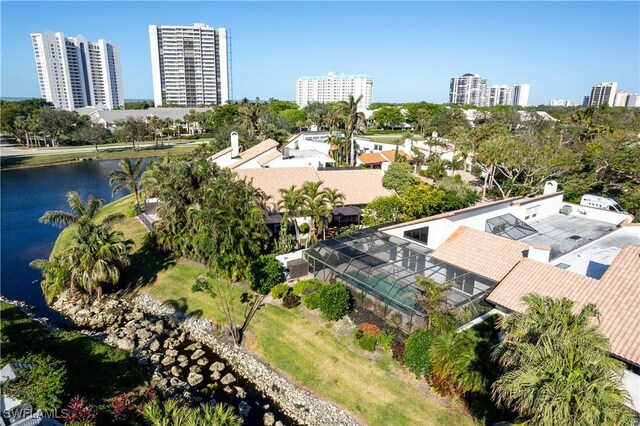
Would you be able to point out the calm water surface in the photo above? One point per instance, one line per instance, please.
(25, 196)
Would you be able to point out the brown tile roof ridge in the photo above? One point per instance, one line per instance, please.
(255, 151)
(449, 214)
(482, 253)
(616, 294)
(220, 153)
(269, 158)
(391, 154)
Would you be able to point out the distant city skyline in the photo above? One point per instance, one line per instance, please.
(410, 58)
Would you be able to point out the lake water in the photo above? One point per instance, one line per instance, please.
(26, 195)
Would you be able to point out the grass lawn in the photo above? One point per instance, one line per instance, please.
(14, 162)
(393, 137)
(94, 370)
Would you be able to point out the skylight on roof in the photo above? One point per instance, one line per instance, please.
(508, 226)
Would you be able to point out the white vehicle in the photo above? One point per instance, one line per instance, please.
(602, 203)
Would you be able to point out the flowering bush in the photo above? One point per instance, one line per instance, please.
(123, 407)
(370, 329)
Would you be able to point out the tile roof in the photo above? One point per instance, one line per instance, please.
(358, 186)
(616, 294)
(254, 152)
(269, 158)
(374, 158)
(482, 253)
(220, 154)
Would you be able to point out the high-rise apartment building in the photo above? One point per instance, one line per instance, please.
(334, 88)
(469, 89)
(521, 94)
(633, 100)
(191, 66)
(500, 95)
(603, 93)
(620, 99)
(557, 102)
(74, 72)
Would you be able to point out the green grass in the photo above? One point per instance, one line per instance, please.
(131, 227)
(94, 370)
(15, 162)
(396, 138)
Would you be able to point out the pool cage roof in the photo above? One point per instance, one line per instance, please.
(387, 267)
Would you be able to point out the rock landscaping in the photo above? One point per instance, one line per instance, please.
(190, 358)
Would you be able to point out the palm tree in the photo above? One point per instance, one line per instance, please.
(127, 177)
(315, 206)
(557, 368)
(96, 257)
(56, 276)
(456, 163)
(353, 118)
(453, 363)
(334, 198)
(434, 304)
(290, 207)
(81, 214)
(251, 113)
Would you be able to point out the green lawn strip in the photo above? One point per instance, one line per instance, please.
(94, 370)
(131, 227)
(311, 355)
(15, 162)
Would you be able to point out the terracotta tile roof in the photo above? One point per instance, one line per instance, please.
(255, 151)
(220, 153)
(482, 253)
(370, 158)
(616, 294)
(358, 186)
(375, 158)
(269, 158)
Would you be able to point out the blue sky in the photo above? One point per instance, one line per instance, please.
(410, 49)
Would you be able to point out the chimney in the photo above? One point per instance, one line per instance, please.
(550, 187)
(407, 146)
(235, 145)
(539, 252)
(385, 166)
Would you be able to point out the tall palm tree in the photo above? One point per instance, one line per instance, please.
(96, 257)
(315, 206)
(290, 207)
(81, 214)
(352, 118)
(56, 277)
(251, 113)
(557, 368)
(127, 177)
(334, 198)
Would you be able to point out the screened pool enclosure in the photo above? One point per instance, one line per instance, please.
(383, 269)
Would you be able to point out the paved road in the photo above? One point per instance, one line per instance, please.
(17, 150)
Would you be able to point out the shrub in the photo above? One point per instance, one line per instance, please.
(123, 408)
(367, 342)
(416, 352)
(385, 340)
(131, 211)
(264, 273)
(334, 301)
(201, 284)
(81, 411)
(304, 228)
(290, 301)
(397, 350)
(311, 301)
(307, 287)
(280, 290)
(41, 385)
(370, 329)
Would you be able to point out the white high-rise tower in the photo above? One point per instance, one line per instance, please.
(521, 94)
(603, 93)
(191, 66)
(469, 89)
(334, 88)
(75, 73)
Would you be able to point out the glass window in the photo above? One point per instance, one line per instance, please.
(420, 234)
